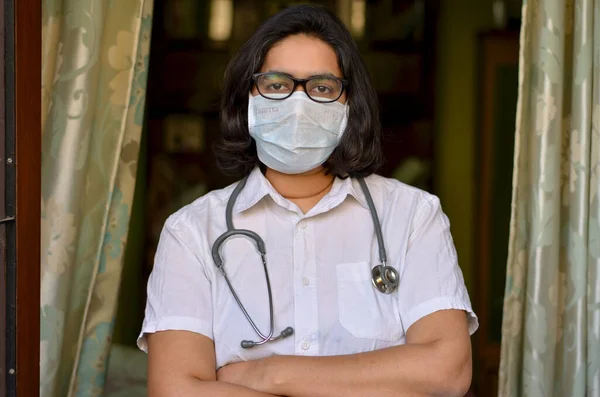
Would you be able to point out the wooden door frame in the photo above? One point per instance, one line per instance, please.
(22, 110)
(28, 134)
(3, 208)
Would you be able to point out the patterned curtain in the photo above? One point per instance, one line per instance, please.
(95, 63)
(551, 325)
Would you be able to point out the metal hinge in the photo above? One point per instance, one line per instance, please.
(7, 219)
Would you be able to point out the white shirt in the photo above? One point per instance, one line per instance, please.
(319, 265)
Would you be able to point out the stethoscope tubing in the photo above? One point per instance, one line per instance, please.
(381, 274)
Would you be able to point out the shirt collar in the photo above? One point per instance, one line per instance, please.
(257, 187)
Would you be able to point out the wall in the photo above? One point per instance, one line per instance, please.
(459, 23)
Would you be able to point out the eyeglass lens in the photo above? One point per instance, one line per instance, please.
(320, 89)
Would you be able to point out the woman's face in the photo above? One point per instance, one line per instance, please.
(302, 56)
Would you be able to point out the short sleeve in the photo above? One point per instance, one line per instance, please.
(179, 290)
(431, 279)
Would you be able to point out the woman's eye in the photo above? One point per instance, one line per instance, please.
(323, 89)
(277, 87)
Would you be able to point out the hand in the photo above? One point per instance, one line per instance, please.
(250, 374)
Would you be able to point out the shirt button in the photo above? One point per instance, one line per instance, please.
(302, 224)
(305, 345)
(305, 281)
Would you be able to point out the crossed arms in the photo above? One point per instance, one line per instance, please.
(435, 362)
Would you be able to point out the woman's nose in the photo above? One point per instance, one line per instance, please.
(299, 87)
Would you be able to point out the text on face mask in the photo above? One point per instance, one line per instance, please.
(267, 110)
(325, 115)
(331, 114)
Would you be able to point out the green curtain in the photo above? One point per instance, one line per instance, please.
(551, 324)
(95, 63)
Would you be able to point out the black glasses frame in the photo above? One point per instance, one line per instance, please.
(299, 82)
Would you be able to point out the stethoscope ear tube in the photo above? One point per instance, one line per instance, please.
(260, 246)
(218, 260)
(247, 344)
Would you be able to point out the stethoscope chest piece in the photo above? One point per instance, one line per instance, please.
(385, 278)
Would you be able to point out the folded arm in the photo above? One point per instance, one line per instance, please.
(436, 361)
(182, 364)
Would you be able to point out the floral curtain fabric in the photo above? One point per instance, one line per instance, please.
(95, 63)
(551, 324)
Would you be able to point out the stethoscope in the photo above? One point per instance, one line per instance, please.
(383, 277)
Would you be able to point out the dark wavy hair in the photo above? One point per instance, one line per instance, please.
(359, 152)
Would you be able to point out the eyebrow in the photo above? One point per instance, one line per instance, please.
(319, 74)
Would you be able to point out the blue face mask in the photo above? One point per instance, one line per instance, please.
(295, 135)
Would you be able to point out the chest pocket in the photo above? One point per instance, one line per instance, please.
(363, 311)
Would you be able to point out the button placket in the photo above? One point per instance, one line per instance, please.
(305, 292)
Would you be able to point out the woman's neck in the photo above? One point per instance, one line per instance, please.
(305, 190)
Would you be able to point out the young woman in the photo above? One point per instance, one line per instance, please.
(358, 292)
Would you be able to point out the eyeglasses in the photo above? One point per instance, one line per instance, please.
(279, 86)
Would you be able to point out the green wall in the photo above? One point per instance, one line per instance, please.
(459, 23)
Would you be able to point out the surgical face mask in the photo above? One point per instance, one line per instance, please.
(296, 134)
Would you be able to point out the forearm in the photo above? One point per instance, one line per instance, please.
(407, 370)
(193, 387)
